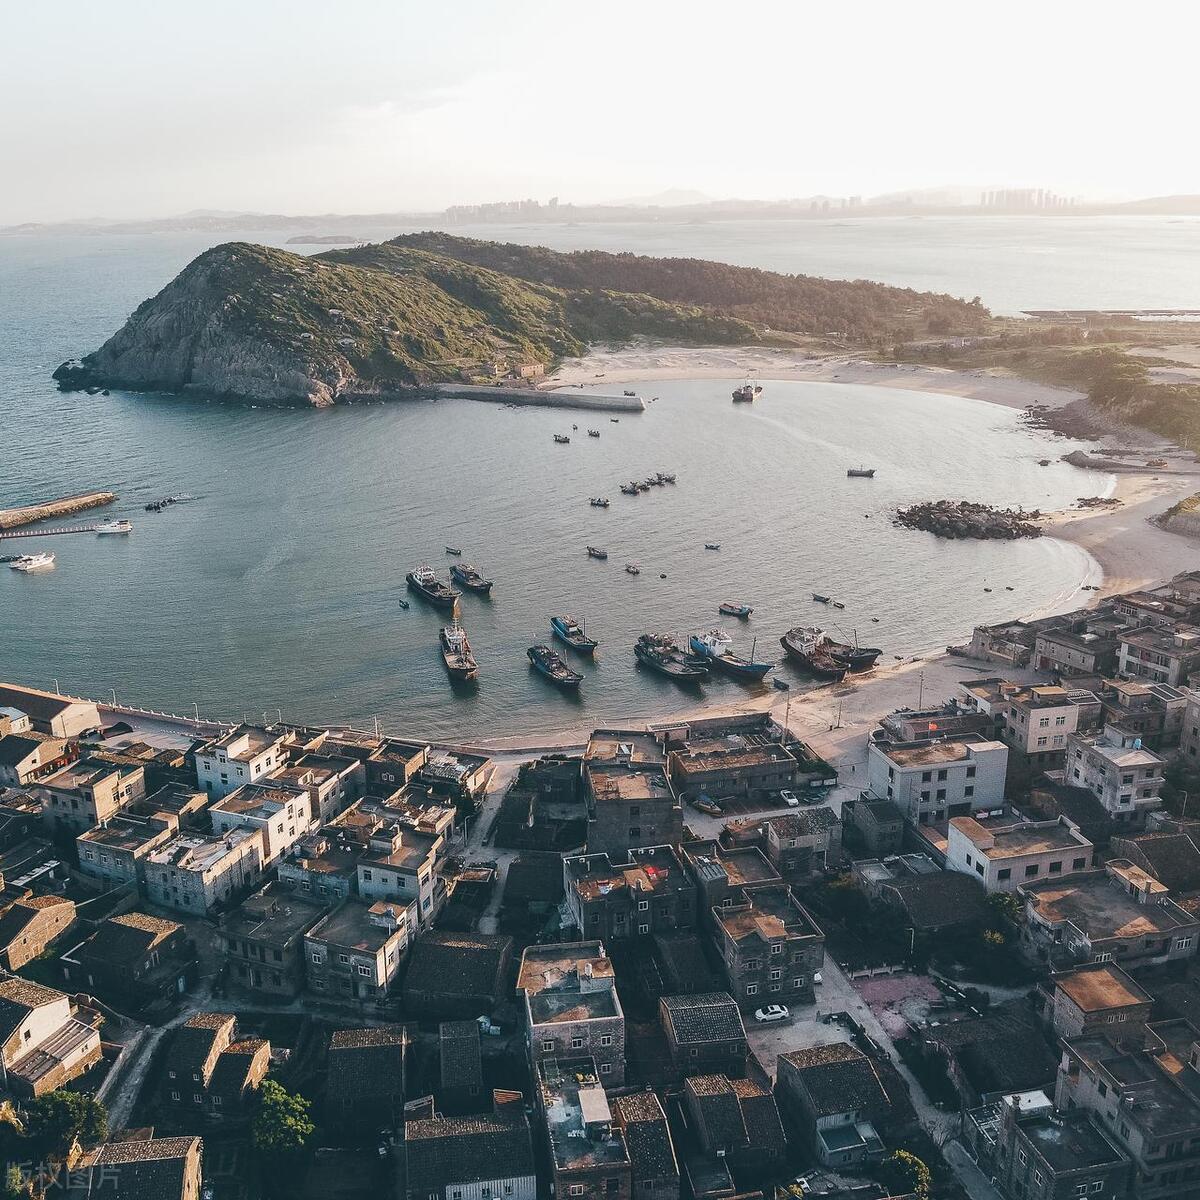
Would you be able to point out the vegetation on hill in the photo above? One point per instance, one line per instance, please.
(857, 310)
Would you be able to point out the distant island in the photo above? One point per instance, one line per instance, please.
(261, 325)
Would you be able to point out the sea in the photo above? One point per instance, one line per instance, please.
(275, 591)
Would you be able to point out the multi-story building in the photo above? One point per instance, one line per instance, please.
(736, 1122)
(649, 893)
(366, 1077)
(43, 1044)
(878, 825)
(770, 947)
(1119, 914)
(1152, 711)
(732, 765)
(655, 1167)
(211, 1074)
(1119, 771)
(1007, 851)
(630, 802)
(801, 842)
(1068, 652)
(589, 1157)
(331, 782)
(572, 1008)
(722, 874)
(243, 755)
(1189, 734)
(356, 951)
(26, 757)
(1099, 998)
(931, 781)
(87, 793)
(283, 813)
(194, 874)
(1038, 721)
(323, 866)
(401, 865)
(705, 1034)
(49, 712)
(30, 925)
(263, 942)
(1160, 655)
(116, 852)
(1146, 1099)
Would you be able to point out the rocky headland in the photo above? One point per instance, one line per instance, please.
(965, 519)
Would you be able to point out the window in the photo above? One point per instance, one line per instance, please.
(174, 1095)
(605, 1068)
(364, 970)
(752, 989)
(1078, 864)
(1031, 870)
(1004, 873)
(1055, 868)
(941, 776)
(316, 957)
(643, 905)
(643, 929)
(970, 772)
(216, 1101)
(1184, 943)
(577, 1043)
(547, 1045)
(777, 949)
(343, 958)
(941, 794)
(577, 1189)
(606, 1039)
(798, 982)
(777, 974)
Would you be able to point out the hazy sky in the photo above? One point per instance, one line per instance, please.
(128, 108)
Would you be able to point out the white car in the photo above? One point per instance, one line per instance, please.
(790, 798)
(772, 1012)
(817, 979)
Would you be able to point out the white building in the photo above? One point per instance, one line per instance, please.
(933, 780)
(283, 813)
(242, 755)
(1119, 771)
(194, 873)
(1005, 852)
(401, 865)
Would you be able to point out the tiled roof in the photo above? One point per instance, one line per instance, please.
(760, 1115)
(141, 1170)
(461, 1057)
(234, 1064)
(718, 1112)
(126, 938)
(441, 1150)
(534, 876)
(647, 1136)
(194, 1046)
(458, 964)
(838, 1078)
(1000, 1052)
(366, 1064)
(21, 913)
(711, 1017)
(940, 899)
(804, 823)
(18, 997)
(1172, 858)
(15, 748)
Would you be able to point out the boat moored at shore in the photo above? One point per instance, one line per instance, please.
(660, 653)
(430, 588)
(803, 645)
(715, 647)
(470, 578)
(117, 526)
(852, 657)
(546, 662)
(457, 653)
(746, 392)
(570, 632)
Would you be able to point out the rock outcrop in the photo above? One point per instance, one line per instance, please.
(964, 519)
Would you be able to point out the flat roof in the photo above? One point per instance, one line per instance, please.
(608, 784)
(1017, 840)
(549, 1008)
(196, 852)
(741, 865)
(257, 739)
(1101, 908)
(934, 753)
(261, 800)
(350, 927)
(560, 966)
(1070, 1142)
(1096, 988)
(571, 1098)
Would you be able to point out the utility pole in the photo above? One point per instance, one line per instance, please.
(920, 690)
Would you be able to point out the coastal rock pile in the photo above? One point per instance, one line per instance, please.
(965, 519)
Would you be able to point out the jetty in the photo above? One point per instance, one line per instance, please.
(65, 506)
(567, 398)
(7, 535)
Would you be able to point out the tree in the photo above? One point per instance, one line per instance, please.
(14, 1186)
(1005, 906)
(58, 1118)
(904, 1173)
(281, 1125)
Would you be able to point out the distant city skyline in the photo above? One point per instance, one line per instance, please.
(375, 106)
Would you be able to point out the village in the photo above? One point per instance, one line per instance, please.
(950, 951)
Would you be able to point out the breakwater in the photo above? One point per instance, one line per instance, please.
(65, 506)
(562, 399)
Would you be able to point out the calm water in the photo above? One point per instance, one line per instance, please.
(278, 586)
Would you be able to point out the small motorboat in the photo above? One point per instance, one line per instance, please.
(33, 562)
(561, 439)
(819, 599)
(861, 473)
(632, 569)
(729, 609)
(712, 545)
(599, 502)
(615, 420)
(456, 551)
(546, 662)
(629, 489)
(593, 433)
(596, 552)
(575, 427)
(569, 631)
(837, 604)
(118, 526)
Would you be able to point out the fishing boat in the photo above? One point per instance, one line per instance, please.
(568, 630)
(561, 438)
(715, 647)
(819, 599)
(593, 433)
(629, 489)
(746, 392)
(599, 502)
(632, 569)
(853, 657)
(33, 562)
(456, 551)
(596, 552)
(546, 662)
(470, 578)
(861, 473)
(457, 654)
(730, 609)
(803, 645)
(118, 526)
(429, 587)
(659, 652)
(574, 426)
(712, 545)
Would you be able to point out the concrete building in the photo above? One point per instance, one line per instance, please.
(629, 799)
(1189, 735)
(331, 782)
(49, 712)
(1152, 711)
(770, 947)
(1038, 721)
(733, 765)
(801, 842)
(1079, 649)
(722, 875)
(588, 1154)
(1119, 914)
(1160, 655)
(87, 793)
(356, 951)
(195, 874)
(282, 813)
(43, 1044)
(930, 781)
(1119, 771)
(30, 925)
(655, 1167)
(244, 755)
(263, 942)
(401, 865)
(1099, 998)
(115, 853)
(1008, 851)
(649, 893)
(26, 757)
(572, 1008)
(878, 824)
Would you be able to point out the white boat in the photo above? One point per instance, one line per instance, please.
(120, 526)
(33, 562)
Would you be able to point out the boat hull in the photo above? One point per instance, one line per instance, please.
(730, 664)
(446, 599)
(821, 666)
(854, 658)
(473, 583)
(556, 672)
(679, 669)
(580, 644)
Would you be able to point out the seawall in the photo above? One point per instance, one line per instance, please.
(10, 518)
(563, 399)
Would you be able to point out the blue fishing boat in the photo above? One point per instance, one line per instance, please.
(569, 630)
(714, 647)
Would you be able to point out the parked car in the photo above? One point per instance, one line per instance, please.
(772, 1012)
(789, 798)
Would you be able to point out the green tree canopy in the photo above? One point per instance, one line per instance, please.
(282, 1124)
(56, 1119)
(905, 1172)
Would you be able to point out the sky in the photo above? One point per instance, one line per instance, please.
(127, 108)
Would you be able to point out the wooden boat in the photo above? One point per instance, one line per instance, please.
(561, 438)
(715, 647)
(819, 599)
(596, 552)
(455, 550)
(632, 569)
(599, 502)
(658, 652)
(803, 645)
(712, 545)
(730, 609)
(470, 578)
(429, 587)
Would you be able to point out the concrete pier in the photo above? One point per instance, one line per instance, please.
(567, 398)
(65, 506)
